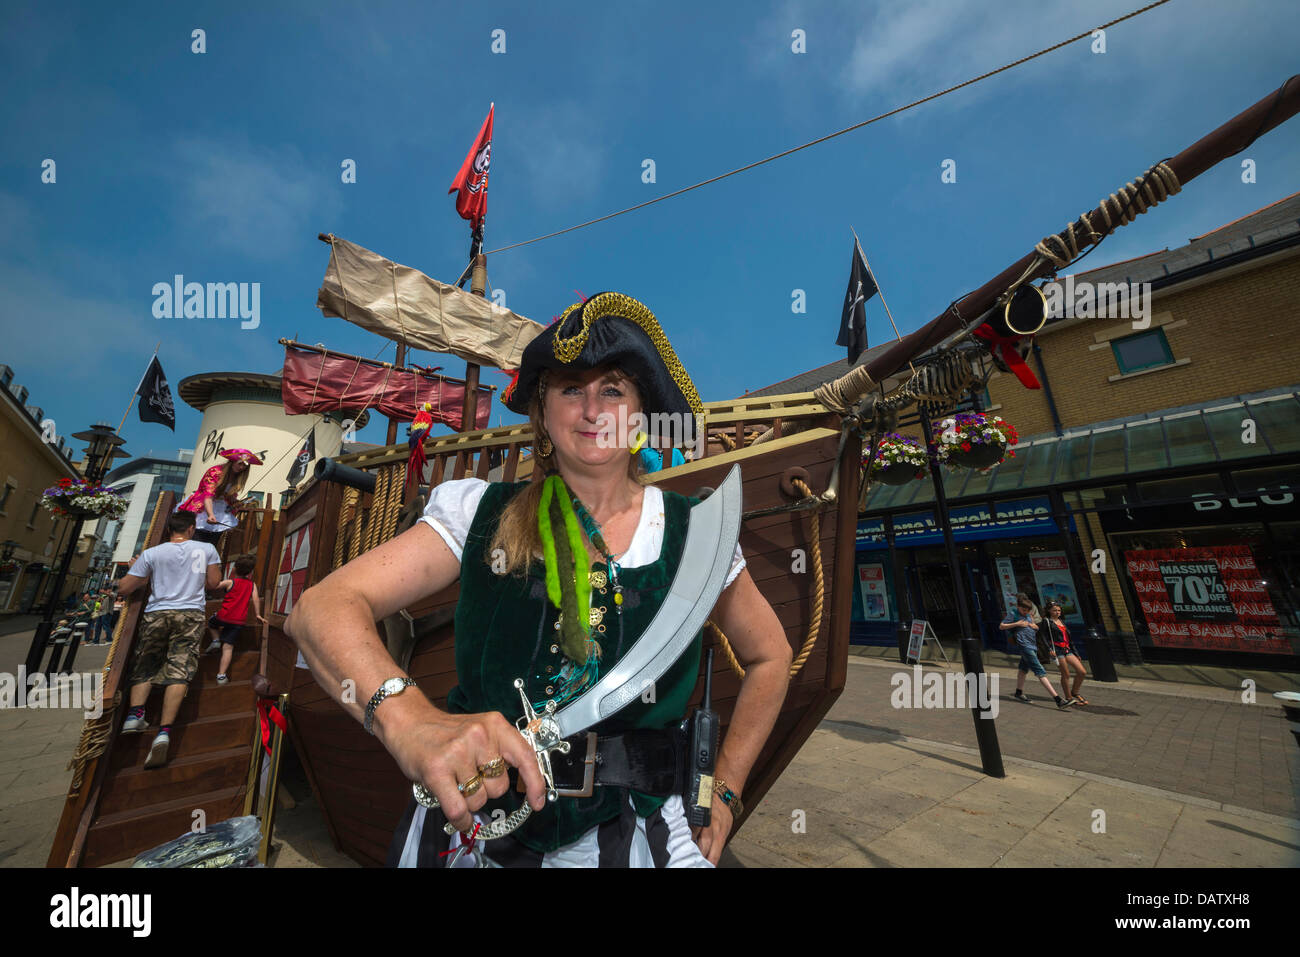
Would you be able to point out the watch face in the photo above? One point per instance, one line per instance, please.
(393, 685)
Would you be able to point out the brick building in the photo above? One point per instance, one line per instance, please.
(32, 539)
(1164, 456)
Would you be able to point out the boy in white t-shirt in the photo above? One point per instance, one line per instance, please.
(171, 628)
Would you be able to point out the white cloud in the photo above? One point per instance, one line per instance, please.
(556, 146)
(267, 200)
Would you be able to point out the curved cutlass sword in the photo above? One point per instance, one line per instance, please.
(711, 536)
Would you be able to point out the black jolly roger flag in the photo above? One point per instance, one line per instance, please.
(853, 318)
(156, 397)
(308, 452)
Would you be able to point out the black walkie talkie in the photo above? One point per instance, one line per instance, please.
(702, 741)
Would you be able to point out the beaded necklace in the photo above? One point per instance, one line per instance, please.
(592, 528)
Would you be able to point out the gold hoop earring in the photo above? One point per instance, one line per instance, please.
(544, 447)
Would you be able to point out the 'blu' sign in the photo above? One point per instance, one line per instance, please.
(1029, 516)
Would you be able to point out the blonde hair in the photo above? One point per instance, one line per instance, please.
(516, 535)
(229, 478)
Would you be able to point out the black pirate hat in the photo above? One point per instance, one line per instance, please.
(608, 328)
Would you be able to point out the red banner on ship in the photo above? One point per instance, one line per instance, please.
(314, 382)
(1210, 598)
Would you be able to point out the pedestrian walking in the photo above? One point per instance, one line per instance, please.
(171, 627)
(1066, 657)
(103, 615)
(1024, 635)
(1035, 615)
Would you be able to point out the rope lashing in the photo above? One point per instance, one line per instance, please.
(1120, 208)
(819, 596)
(843, 393)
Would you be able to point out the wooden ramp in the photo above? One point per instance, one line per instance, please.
(115, 808)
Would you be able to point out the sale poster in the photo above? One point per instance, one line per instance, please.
(875, 598)
(1052, 576)
(1212, 598)
(1007, 580)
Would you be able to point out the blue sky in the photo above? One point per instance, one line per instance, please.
(224, 166)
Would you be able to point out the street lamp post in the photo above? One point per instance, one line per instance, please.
(102, 448)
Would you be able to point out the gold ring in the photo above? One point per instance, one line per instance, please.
(494, 768)
(471, 787)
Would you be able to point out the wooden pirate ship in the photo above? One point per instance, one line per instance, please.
(801, 457)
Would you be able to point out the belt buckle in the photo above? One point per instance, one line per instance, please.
(588, 772)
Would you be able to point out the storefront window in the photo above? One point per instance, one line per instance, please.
(1212, 587)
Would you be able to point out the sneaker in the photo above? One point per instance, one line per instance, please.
(214, 647)
(134, 725)
(1062, 703)
(158, 752)
(223, 679)
(1021, 696)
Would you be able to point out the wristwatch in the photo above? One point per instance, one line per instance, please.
(389, 688)
(729, 797)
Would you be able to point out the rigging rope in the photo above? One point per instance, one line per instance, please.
(830, 136)
(819, 595)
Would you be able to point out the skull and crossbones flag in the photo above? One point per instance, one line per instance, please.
(853, 318)
(298, 471)
(156, 397)
(471, 182)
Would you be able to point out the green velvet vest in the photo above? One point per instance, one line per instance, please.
(505, 629)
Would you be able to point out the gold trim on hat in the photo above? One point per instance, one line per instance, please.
(625, 307)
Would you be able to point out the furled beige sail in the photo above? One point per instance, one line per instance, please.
(405, 305)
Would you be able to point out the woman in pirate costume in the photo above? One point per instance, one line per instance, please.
(213, 502)
(584, 534)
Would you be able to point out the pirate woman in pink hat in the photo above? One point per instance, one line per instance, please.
(213, 503)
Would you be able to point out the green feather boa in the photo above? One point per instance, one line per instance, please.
(567, 569)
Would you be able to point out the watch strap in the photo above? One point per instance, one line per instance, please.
(379, 696)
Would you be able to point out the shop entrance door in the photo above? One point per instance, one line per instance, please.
(934, 582)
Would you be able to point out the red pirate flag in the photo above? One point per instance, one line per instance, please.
(472, 180)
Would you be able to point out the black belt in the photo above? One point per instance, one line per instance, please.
(649, 761)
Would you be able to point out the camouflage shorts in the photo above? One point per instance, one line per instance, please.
(167, 647)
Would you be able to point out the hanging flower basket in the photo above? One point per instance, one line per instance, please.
(79, 499)
(899, 459)
(975, 440)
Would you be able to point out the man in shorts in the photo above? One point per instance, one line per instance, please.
(171, 628)
(1020, 623)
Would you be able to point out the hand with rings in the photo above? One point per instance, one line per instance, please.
(462, 760)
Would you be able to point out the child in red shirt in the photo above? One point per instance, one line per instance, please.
(233, 613)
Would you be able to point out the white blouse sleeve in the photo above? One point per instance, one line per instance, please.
(737, 566)
(451, 509)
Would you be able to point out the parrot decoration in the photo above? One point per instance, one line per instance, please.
(418, 432)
